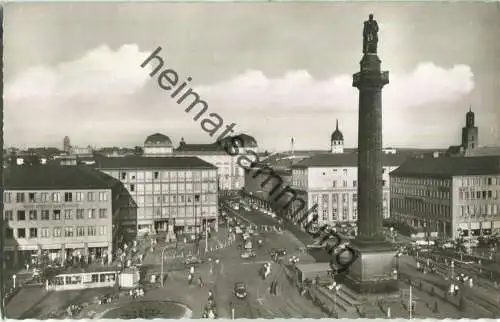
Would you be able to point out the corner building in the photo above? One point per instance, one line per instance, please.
(171, 193)
(330, 182)
(57, 211)
(448, 195)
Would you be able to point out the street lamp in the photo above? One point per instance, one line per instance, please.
(196, 240)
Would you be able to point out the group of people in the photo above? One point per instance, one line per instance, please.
(137, 292)
(73, 309)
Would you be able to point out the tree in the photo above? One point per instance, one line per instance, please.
(138, 150)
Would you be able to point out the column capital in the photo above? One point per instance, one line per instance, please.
(370, 79)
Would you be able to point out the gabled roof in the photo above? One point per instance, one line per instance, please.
(138, 162)
(56, 178)
(445, 167)
(345, 160)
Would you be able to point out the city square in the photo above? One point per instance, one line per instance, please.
(385, 218)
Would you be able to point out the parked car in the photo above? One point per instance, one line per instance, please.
(240, 290)
(192, 260)
(36, 272)
(248, 254)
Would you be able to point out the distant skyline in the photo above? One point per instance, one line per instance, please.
(277, 70)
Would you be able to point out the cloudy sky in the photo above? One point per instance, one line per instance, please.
(277, 70)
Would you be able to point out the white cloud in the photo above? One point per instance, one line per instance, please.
(426, 84)
(107, 84)
(101, 71)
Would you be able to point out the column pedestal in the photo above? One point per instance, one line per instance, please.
(371, 272)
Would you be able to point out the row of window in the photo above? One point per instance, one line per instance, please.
(436, 193)
(173, 188)
(175, 199)
(477, 181)
(57, 214)
(166, 175)
(422, 181)
(41, 197)
(150, 212)
(57, 232)
(478, 210)
(325, 216)
(336, 198)
(417, 206)
(465, 194)
(166, 188)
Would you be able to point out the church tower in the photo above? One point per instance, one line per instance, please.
(470, 135)
(337, 140)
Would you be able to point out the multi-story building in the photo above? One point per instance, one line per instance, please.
(330, 182)
(172, 193)
(231, 174)
(450, 196)
(60, 211)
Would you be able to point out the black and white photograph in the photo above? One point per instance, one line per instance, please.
(250, 160)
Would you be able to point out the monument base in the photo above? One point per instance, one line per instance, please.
(373, 271)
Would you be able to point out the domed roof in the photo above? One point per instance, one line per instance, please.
(158, 139)
(337, 135)
(248, 141)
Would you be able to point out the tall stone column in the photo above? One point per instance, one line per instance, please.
(370, 81)
(372, 271)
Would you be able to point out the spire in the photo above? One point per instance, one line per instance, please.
(337, 126)
(470, 108)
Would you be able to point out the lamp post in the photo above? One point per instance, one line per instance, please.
(206, 236)
(196, 239)
(162, 260)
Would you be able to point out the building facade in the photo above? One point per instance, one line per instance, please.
(231, 175)
(60, 211)
(451, 196)
(330, 182)
(176, 193)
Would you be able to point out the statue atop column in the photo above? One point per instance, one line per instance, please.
(370, 36)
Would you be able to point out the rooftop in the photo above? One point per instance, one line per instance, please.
(158, 139)
(216, 147)
(446, 167)
(484, 151)
(213, 148)
(137, 162)
(345, 160)
(51, 177)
